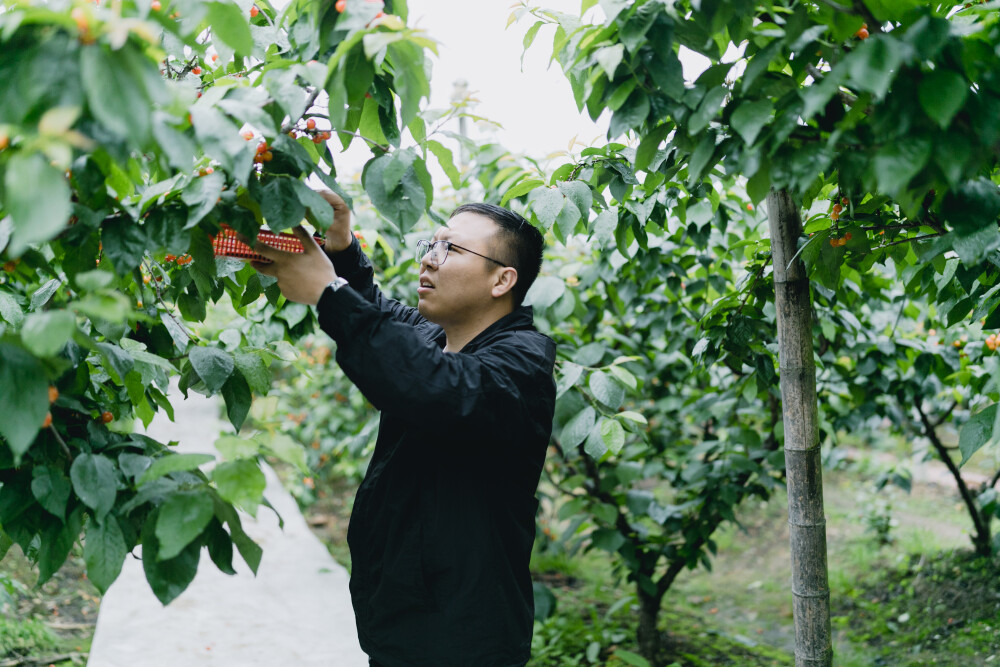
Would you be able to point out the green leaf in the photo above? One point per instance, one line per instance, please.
(24, 398)
(609, 57)
(42, 295)
(114, 96)
(613, 434)
(254, 371)
(630, 658)
(117, 361)
(125, 242)
(750, 117)
(167, 578)
(220, 547)
(545, 291)
(171, 463)
(112, 308)
(181, 519)
(607, 390)
(578, 428)
(51, 489)
(547, 204)
(37, 199)
(873, 64)
(900, 161)
(241, 482)
(631, 114)
(650, 144)
(238, 398)
(579, 194)
(447, 162)
(521, 188)
(632, 416)
(104, 552)
(607, 539)
(288, 450)
(624, 376)
(45, 333)
(594, 444)
(57, 540)
(230, 25)
(942, 94)
(10, 310)
(707, 110)
(95, 482)
(976, 433)
(213, 366)
(233, 447)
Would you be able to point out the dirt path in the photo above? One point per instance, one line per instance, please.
(296, 611)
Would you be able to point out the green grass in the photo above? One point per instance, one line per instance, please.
(48, 624)
(740, 612)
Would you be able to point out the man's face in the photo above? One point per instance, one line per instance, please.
(461, 286)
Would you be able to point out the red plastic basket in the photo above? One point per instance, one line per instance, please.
(227, 244)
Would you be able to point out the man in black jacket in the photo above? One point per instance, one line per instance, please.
(443, 522)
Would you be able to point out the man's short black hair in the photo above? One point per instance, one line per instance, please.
(518, 244)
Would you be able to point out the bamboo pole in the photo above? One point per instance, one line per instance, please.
(804, 473)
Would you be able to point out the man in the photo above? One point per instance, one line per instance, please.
(443, 522)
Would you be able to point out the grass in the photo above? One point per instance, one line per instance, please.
(904, 588)
(52, 624)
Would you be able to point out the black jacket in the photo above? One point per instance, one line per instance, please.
(443, 523)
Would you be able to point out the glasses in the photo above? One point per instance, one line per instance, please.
(437, 252)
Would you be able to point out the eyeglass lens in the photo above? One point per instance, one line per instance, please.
(437, 251)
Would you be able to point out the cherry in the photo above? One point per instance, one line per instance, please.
(48, 420)
(107, 417)
(254, 11)
(340, 6)
(155, 5)
(311, 124)
(53, 394)
(196, 70)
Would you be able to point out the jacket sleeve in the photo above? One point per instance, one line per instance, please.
(399, 371)
(353, 265)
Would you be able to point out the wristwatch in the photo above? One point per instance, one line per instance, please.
(336, 284)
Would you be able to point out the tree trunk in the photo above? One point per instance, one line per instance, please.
(804, 474)
(649, 635)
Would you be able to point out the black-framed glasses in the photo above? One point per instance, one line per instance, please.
(437, 252)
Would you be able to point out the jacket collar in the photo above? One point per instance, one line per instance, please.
(522, 317)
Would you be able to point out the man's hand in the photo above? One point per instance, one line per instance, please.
(338, 235)
(302, 277)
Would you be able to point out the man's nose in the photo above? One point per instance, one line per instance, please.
(425, 262)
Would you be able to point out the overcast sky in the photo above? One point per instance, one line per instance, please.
(535, 106)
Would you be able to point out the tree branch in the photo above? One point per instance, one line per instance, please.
(873, 23)
(912, 238)
(946, 414)
(845, 97)
(982, 531)
(62, 442)
(287, 127)
(837, 7)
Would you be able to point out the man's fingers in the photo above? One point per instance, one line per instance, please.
(335, 200)
(308, 242)
(266, 268)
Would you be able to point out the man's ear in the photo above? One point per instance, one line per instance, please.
(505, 280)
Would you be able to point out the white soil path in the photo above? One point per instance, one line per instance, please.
(295, 612)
